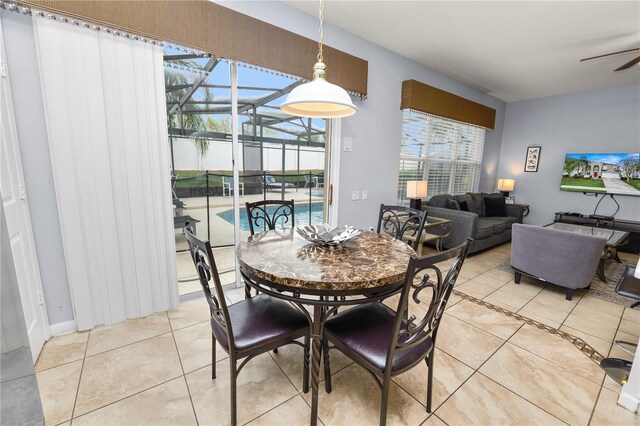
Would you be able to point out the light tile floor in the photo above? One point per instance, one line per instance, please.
(489, 368)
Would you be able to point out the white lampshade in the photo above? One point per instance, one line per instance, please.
(319, 98)
(416, 189)
(506, 185)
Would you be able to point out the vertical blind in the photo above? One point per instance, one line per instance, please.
(445, 153)
(105, 110)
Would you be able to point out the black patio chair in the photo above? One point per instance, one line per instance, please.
(260, 215)
(386, 342)
(403, 223)
(247, 328)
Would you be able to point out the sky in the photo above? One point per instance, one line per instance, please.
(246, 77)
(609, 158)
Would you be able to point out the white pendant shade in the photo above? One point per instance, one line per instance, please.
(319, 99)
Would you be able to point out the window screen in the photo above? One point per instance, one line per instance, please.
(445, 153)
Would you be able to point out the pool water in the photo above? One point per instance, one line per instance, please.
(302, 213)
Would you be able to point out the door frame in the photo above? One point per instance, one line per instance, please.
(333, 164)
(30, 297)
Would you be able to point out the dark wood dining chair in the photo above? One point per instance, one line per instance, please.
(403, 223)
(266, 214)
(387, 342)
(250, 327)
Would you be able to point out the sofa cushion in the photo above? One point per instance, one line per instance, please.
(452, 204)
(466, 198)
(485, 228)
(477, 203)
(497, 225)
(439, 200)
(464, 205)
(495, 207)
(511, 220)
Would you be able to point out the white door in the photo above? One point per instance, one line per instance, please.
(18, 219)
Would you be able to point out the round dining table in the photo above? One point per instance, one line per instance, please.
(284, 265)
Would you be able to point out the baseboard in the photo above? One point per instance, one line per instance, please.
(63, 328)
(628, 401)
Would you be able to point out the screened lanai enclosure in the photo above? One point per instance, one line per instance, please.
(279, 156)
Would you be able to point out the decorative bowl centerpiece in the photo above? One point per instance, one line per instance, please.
(323, 236)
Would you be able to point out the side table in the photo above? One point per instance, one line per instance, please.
(525, 207)
(434, 230)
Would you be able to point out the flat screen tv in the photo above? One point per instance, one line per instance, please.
(612, 173)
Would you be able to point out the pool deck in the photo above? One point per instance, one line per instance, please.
(221, 233)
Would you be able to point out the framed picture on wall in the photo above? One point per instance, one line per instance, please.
(533, 157)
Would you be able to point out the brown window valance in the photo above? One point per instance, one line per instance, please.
(211, 28)
(425, 98)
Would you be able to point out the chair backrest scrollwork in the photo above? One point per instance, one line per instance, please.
(423, 273)
(266, 214)
(205, 264)
(401, 222)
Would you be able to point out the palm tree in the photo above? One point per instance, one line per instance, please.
(193, 122)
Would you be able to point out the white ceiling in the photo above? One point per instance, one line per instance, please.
(513, 50)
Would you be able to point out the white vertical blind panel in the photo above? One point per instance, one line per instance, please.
(446, 153)
(104, 106)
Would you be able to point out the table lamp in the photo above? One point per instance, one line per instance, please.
(416, 191)
(505, 186)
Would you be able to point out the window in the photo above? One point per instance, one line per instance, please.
(445, 153)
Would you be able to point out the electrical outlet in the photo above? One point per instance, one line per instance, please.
(364, 195)
(347, 144)
(355, 195)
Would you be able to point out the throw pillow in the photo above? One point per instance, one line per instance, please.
(476, 204)
(464, 206)
(452, 204)
(494, 207)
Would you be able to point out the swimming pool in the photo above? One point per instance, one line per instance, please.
(302, 212)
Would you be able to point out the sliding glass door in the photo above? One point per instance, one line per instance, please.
(277, 156)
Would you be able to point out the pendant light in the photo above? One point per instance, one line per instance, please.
(319, 98)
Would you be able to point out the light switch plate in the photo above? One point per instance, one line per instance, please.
(364, 195)
(355, 195)
(347, 144)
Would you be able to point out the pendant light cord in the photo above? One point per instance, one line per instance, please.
(321, 16)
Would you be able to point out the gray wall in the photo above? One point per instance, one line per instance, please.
(376, 128)
(36, 162)
(597, 121)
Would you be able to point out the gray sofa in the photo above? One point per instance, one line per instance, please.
(485, 231)
(564, 258)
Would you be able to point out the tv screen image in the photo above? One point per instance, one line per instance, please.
(612, 173)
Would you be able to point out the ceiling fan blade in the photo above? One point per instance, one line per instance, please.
(610, 54)
(629, 64)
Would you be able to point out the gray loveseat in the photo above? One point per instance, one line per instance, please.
(485, 231)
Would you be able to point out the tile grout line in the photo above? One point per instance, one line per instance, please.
(129, 344)
(126, 397)
(75, 400)
(184, 376)
(540, 325)
(283, 372)
(472, 374)
(592, 335)
(515, 393)
(522, 397)
(133, 394)
(271, 409)
(595, 405)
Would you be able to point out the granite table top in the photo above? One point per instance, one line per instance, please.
(283, 257)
